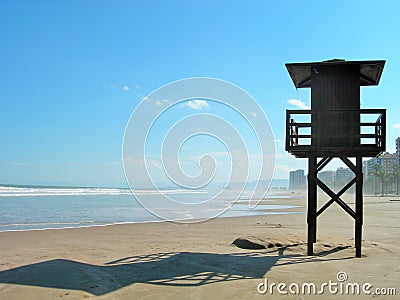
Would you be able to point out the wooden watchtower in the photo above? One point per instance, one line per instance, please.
(335, 127)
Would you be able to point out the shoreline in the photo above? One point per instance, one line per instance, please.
(262, 212)
(279, 206)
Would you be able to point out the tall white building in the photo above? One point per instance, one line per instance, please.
(297, 180)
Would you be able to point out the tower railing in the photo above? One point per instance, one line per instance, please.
(363, 130)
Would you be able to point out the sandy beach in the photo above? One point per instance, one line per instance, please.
(198, 261)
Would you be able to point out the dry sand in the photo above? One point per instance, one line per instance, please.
(198, 261)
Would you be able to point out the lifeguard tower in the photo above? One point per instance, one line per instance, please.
(335, 127)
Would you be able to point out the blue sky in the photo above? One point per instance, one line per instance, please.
(72, 72)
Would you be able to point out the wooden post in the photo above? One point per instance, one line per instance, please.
(312, 205)
(359, 206)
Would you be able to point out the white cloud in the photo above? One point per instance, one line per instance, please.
(126, 88)
(298, 103)
(138, 87)
(396, 125)
(188, 147)
(197, 104)
(254, 114)
(161, 103)
(18, 163)
(155, 163)
(214, 154)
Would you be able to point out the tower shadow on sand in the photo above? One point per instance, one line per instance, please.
(172, 268)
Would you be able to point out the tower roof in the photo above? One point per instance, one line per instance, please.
(370, 71)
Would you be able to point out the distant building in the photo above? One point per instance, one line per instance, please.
(297, 180)
(365, 170)
(386, 162)
(343, 176)
(328, 177)
(369, 171)
(378, 173)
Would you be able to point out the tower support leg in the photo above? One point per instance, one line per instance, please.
(359, 206)
(312, 205)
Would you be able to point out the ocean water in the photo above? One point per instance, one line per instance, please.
(32, 208)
